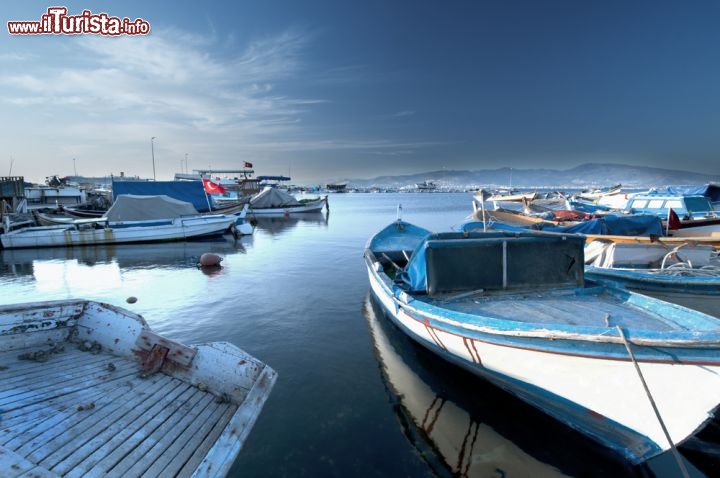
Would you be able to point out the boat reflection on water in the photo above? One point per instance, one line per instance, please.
(280, 225)
(463, 426)
(127, 256)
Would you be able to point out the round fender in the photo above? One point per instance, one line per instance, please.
(210, 259)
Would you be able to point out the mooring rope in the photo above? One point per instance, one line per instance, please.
(674, 449)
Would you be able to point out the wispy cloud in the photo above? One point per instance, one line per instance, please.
(169, 74)
(105, 97)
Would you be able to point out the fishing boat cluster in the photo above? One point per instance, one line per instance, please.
(570, 304)
(137, 211)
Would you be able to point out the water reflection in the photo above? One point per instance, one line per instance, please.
(464, 426)
(280, 225)
(127, 256)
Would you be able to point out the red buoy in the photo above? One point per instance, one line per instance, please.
(209, 259)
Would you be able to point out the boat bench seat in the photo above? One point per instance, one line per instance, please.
(496, 263)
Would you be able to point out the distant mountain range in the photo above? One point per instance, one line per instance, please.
(584, 176)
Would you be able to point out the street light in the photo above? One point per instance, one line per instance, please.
(152, 150)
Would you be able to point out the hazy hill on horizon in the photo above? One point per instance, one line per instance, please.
(580, 177)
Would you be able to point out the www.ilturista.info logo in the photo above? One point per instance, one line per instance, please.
(57, 22)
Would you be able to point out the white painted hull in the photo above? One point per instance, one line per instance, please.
(468, 447)
(600, 396)
(117, 233)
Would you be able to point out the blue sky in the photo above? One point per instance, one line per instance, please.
(328, 90)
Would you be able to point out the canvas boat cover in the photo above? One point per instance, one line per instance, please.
(273, 197)
(129, 207)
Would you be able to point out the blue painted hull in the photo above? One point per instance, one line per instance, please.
(651, 281)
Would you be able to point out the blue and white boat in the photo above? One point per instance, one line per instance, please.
(637, 374)
(692, 269)
(692, 214)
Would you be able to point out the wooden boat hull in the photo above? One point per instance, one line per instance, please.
(88, 233)
(563, 351)
(88, 389)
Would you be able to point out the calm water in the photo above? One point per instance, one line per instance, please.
(354, 396)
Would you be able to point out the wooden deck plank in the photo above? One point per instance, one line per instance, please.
(52, 421)
(74, 440)
(13, 465)
(136, 432)
(41, 416)
(118, 431)
(27, 372)
(198, 454)
(164, 451)
(34, 410)
(41, 387)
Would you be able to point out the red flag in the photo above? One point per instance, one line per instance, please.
(248, 165)
(212, 188)
(673, 220)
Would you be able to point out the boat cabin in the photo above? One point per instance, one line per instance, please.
(686, 207)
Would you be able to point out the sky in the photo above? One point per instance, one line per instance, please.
(325, 91)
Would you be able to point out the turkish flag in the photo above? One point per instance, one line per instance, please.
(248, 165)
(213, 188)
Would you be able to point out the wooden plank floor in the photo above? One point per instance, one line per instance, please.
(85, 414)
(563, 309)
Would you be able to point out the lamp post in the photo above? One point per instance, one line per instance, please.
(152, 151)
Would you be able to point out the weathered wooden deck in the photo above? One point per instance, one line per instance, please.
(72, 413)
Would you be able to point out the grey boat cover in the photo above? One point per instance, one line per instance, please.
(129, 207)
(273, 197)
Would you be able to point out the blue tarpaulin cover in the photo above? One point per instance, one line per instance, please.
(615, 225)
(711, 191)
(189, 191)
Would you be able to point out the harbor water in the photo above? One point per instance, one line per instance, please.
(354, 397)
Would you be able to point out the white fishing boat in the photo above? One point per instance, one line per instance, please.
(131, 219)
(637, 374)
(275, 202)
(88, 389)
